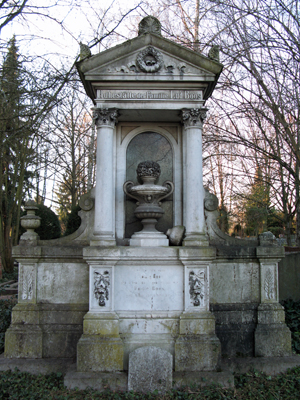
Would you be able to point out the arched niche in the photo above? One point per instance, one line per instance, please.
(149, 146)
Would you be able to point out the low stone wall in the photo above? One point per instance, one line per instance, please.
(289, 277)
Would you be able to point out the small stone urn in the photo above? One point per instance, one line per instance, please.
(30, 222)
(148, 196)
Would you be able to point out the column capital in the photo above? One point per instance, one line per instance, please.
(105, 116)
(193, 117)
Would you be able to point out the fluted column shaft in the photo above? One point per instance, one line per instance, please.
(194, 220)
(104, 229)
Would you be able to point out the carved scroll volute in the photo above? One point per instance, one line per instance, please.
(127, 190)
(170, 186)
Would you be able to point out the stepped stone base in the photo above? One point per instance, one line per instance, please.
(118, 380)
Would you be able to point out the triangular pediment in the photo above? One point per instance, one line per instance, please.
(148, 58)
(128, 67)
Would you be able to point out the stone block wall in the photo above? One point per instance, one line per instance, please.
(289, 277)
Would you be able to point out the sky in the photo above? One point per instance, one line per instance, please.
(52, 29)
(69, 22)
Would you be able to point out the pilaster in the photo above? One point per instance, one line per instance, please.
(100, 348)
(272, 336)
(197, 348)
(23, 339)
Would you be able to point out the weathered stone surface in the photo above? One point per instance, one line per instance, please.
(268, 365)
(234, 282)
(101, 381)
(272, 336)
(105, 325)
(60, 341)
(197, 353)
(289, 277)
(62, 282)
(45, 330)
(235, 326)
(197, 324)
(23, 342)
(175, 235)
(97, 353)
(272, 340)
(36, 366)
(150, 368)
(136, 341)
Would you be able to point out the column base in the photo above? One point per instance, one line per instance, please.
(195, 239)
(272, 336)
(149, 239)
(103, 241)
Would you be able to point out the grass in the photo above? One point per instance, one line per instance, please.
(252, 385)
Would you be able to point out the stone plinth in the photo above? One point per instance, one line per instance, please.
(100, 348)
(272, 336)
(197, 347)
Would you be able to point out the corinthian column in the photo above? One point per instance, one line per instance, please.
(193, 208)
(104, 229)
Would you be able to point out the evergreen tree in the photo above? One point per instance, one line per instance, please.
(15, 150)
(257, 204)
(73, 221)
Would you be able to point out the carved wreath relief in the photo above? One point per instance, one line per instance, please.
(101, 287)
(149, 60)
(196, 282)
(269, 285)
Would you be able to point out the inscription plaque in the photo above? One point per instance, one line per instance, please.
(150, 95)
(149, 288)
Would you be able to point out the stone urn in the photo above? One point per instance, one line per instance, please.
(148, 196)
(30, 222)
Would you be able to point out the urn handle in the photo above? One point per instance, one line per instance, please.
(127, 189)
(170, 186)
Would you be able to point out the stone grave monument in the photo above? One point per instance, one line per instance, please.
(118, 293)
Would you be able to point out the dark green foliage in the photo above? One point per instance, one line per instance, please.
(275, 222)
(17, 385)
(10, 276)
(73, 221)
(292, 319)
(50, 226)
(257, 204)
(252, 385)
(257, 385)
(5, 318)
(15, 150)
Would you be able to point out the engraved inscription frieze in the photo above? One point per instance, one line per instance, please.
(150, 95)
(101, 287)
